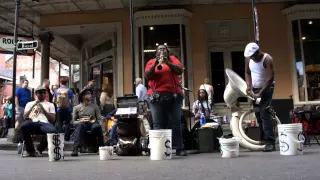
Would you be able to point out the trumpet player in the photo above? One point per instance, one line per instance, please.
(165, 95)
(39, 115)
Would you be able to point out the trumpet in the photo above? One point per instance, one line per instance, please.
(35, 112)
(160, 61)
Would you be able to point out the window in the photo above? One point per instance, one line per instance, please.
(306, 39)
(101, 48)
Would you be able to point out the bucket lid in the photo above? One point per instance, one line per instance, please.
(105, 147)
(229, 141)
(285, 126)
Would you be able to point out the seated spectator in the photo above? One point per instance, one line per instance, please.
(113, 130)
(38, 114)
(86, 116)
(200, 106)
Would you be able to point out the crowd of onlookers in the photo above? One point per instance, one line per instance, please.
(61, 109)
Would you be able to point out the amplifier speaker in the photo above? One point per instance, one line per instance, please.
(207, 140)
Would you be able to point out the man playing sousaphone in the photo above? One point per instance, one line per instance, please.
(86, 116)
(260, 84)
(39, 115)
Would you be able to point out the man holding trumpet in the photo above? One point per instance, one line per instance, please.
(86, 116)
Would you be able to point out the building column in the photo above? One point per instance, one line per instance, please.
(46, 37)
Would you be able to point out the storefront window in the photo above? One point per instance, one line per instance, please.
(306, 38)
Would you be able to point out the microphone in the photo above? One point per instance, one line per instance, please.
(160, 61)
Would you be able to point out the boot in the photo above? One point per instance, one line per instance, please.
(269, 147)
(181, 152)
(75, 152)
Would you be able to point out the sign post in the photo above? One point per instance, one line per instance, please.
(255, 22)
(132, 47)
(16, 26)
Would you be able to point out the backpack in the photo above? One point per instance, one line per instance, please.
(63, 98)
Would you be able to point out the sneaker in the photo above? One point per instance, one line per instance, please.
(31, 154)
(39, 151)
(75, 152)
(269, 147)
(181, 152)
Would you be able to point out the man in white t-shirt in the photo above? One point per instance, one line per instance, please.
(260, 84)
(39, 115)
(209, 90)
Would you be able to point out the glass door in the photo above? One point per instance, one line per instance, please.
(219, 62)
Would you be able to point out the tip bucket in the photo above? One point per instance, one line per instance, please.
(160, 144)
(291, 139)
(229, 147)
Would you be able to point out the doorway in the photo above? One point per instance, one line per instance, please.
(219, 61)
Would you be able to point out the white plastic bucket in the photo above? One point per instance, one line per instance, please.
(229, 147)
(291, 139)
(106, 152)
(55, 147)
(160, 144)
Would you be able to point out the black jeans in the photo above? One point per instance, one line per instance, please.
(63, 122)
(81, 132)
(167, 115)
(264, 116)
(6, 124)
(29, 128)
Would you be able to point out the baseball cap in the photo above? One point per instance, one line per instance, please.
(250, 49)
(40, 88)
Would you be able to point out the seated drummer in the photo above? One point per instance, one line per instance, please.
(38, 115)
(86, 116)
(113, 129)
(202, 105)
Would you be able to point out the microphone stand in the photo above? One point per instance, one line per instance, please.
(189, 111)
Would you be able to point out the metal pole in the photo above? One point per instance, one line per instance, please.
(132, 46)
(16, 27)
(255, 21)
(33, 63)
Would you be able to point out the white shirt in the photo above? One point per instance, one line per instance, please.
(49, 107)
(199, 108)
(141, 92)
(259, 73)
(209, 89)
(105, 99)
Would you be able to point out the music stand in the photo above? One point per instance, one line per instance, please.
(189, 105)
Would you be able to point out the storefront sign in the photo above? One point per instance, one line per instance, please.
(7, 44)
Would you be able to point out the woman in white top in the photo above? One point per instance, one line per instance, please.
(202, 105)
(106, 100)
(209, 90)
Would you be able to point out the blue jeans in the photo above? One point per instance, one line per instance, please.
(63, 122)
(167, 115)
(29, 128)
(113, 133)
(6, 122)
(80, 133)
(264, 116)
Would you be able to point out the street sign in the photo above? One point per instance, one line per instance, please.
(23, 45)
